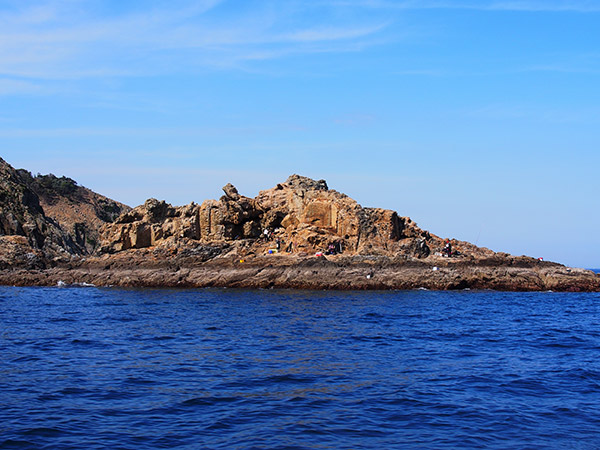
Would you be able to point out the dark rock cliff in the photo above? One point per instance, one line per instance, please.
(56, 217)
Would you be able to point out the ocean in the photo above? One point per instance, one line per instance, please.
(91, 368)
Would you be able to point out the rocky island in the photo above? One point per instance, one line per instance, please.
(299, 234)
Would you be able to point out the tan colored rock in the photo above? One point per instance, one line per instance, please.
(300, 211)
(221, 243)
(150, 224)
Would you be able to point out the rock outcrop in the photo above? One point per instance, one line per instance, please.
(302, 214)
(57, 218)
(22, 215)
(299, 234)
(153, 223)
(79, 211)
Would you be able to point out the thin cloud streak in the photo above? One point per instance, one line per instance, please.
(533, 113)
(19, 87)
(40, 43)
(546, 6)
(480, 5)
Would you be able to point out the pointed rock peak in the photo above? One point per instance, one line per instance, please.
(231, 192)
(300, 182)
(152, 204)
(156, 209)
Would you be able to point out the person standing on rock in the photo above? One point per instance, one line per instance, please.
(448, 248)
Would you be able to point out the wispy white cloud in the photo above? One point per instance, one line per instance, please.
(119, 132)
(582, 64)
(535, 113)
(330, 34)
(69, 40)
(547, 5)
(580, 6)
(19, 87)
(561, 68)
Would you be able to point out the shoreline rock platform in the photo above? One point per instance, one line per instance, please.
(313, 273)
(298, 235)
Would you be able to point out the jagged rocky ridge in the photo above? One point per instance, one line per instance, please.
(304, 215)
(222, 243)
(301, 211)
(45, 219)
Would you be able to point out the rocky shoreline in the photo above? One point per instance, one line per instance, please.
(298, 235)
(313, 273)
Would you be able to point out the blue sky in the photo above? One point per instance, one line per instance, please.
(479, 119)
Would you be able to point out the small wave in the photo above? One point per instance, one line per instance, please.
(378, 339)
(163, 338)
(526, 387)
(60, 319)
(209, 400)
(82, 341)
(375, 315)
(584, 374)
(112, 394)
(42, 431)
(406, 402)
(62, 283)
(47, 397)
(123, 319)
(16, 444)
(88, 343)
(288, 378)
(73, 391)
(269, 381)
(219, 425)
(567, 343)
(27, 358)
(138, 381)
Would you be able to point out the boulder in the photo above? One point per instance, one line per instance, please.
(231, 192)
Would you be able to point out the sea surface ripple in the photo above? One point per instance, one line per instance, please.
(89, 368)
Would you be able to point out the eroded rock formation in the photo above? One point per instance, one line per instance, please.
(48, 226)
(78, 211)
(302, 214)
(22, 215)
(57, 218)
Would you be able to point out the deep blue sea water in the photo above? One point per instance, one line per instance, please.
(88, 368)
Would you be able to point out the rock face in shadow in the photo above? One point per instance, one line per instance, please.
(79, 211)
(22, 215)
(57, 218)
